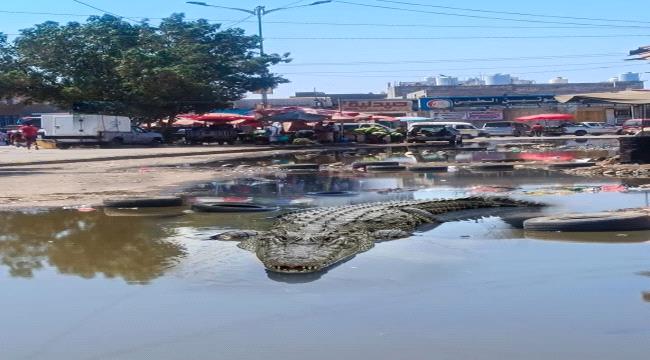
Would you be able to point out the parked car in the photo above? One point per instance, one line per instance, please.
(423, 132)
(467, 130)
(506, 128)
(633, 126)
(598, 128)
(588, 128)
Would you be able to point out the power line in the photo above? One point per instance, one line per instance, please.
(496, 37)
(239, 22)
(521, 58)
(449, 69)
(343, 24)
(104, 11)
(469, 16)
(513, 13)
(418, 77)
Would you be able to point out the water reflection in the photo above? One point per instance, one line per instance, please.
(86, 245)
(592, 237)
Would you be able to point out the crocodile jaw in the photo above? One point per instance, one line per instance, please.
(303, 258)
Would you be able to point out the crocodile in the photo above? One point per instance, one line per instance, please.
(313, 240)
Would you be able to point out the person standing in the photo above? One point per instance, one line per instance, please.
(274, 132)
(538, 129)
(30, 132)
(4, 138)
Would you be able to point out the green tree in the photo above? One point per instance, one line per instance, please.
(146, 72)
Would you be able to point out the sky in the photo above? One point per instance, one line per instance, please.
(359, 46)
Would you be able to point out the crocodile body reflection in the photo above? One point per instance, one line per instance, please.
(86, 245)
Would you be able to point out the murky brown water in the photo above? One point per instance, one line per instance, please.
(114, 286)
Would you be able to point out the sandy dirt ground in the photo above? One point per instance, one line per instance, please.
(89, 182)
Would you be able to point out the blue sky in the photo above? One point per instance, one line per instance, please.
(340, 64)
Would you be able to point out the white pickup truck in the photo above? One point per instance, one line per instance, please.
(77, 129)
(589, 128)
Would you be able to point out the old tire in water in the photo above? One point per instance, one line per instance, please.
(365, 164)
(333, 193)
(142, 202)
(428, 168)
(603, 221)
(385, 168)
(493, 167)
(571, 165)
(224, 207)
(160, 212)
(300, 167)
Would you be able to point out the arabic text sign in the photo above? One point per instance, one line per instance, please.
(377, 106)
(468, 115)
(483, 101)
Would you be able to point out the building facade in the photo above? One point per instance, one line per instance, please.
(417, 90)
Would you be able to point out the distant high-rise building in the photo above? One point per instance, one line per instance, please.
(559, 80)
(498, 79)
(629, 76)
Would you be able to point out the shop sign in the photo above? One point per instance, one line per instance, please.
(377, 106)
(432, 104)
(467, 115)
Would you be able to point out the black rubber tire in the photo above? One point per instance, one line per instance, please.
(364, 164)
(145, 212)
(493, 167)
(428, 168)
(571, 165)
(580, 133)
(156, 142)
(604, 221)
(141, 202)
(385, 168)
(300, 167)
(116, 143)
(225, 207)
(333, 193)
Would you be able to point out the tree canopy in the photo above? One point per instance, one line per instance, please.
(138, 70)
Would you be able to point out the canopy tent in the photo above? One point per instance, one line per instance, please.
(296, 116)
(216, 117)
(629, 97)
(246, 122)
(292, 113)
(546, 117)
(344, 116)
(187, 122)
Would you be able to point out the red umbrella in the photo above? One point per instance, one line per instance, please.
(547, 117)
(217, 117)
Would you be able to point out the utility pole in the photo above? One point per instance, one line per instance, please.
(260, 12)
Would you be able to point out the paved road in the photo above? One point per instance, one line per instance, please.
(11, 156)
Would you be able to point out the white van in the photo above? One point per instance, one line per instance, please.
(467, 130)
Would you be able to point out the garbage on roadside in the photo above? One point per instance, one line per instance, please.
(571, 190)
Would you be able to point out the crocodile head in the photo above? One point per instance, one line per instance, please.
(301, 255)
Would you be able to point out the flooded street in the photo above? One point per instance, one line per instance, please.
(110, 285)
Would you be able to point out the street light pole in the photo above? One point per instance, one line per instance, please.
(260, 11)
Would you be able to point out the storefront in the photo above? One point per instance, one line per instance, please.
(482, 109)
